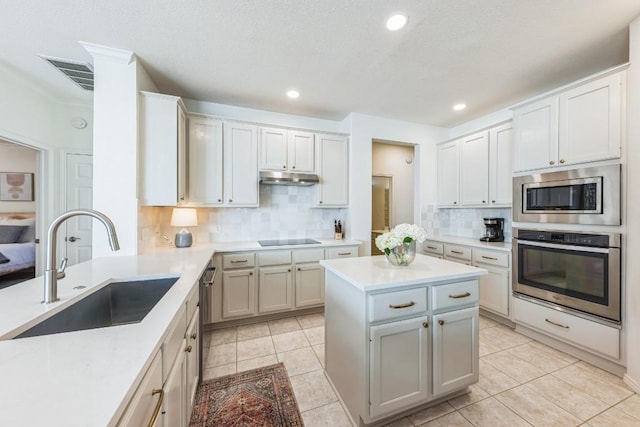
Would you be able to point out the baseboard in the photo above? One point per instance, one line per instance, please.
(635, 386)
(262, 318)
(497, 318)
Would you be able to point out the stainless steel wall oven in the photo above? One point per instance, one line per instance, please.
(577, 196)
(578, 271)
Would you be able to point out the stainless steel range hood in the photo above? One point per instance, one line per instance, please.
(288, 178)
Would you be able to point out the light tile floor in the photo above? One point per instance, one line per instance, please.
(522, 382)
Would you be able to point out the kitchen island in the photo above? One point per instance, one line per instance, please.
(398, 339)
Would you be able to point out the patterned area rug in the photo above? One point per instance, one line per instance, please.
(260, 397)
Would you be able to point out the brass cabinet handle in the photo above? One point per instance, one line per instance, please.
(556, 324)
(425, 324)
(466, 294)
(194, 336)
(491, 258)
(239, 261)
(344, 253)
(432, 247)
(457, 252)
(156, 411)
(406, 305)
(551, 162)
(440, 322)
(188, 349)
(561, 160)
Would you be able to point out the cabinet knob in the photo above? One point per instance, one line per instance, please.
(230, 200)
(220, 200)
(251, 273)
(320, 201)
(188, 349)
(493, 201)
(425, 324)
(455, 203)
(484, 201)
(194, 336)
(551, 162)
(299, 269)
(289, 270)
(293, 167)
(284, 166)
(441, 322)
(561, 160)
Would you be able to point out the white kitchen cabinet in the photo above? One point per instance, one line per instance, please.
(163, 163)
(205, 161)
(238, 293)
(147, 399)
(399, 365)
(433, 249)
(287, 150)
(174, 409)
(240, 150)
(455, 350)
(500, 165)
(341, 252)
(448, 176)
(577, 125)
(332, 166)
(275, 289)
(192, 351)
(474, 169)
(309, 279)
(495, 287)
(457, 253)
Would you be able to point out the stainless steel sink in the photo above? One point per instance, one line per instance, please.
(118, 303)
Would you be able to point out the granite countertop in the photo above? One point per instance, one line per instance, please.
(471, 241)
(375, 273)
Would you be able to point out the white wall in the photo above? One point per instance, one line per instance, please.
(632, 306)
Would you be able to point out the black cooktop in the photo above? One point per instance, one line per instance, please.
(285, 242)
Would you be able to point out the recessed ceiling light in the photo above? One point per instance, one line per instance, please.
(459, 107)
(396, 22)
(293, 94)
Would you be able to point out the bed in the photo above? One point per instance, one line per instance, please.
(17, 242)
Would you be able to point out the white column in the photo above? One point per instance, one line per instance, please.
(632, 215)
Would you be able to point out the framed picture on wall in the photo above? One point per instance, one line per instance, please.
(16, 187)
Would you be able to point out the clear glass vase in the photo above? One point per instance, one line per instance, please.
(402, 254)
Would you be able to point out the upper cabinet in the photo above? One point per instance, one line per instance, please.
(332, 166)
(287, 150)
(578, 125)
(163, 136)
(240, 164)
(475, 171)
(205, 161)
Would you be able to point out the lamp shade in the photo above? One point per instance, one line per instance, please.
(184, 217)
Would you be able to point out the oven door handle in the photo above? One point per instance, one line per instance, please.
(567, 247)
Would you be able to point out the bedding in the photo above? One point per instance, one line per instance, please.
(20, 255)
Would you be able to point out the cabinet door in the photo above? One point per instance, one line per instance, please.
(399, 365)
(192, 363)
(474, 169)
(455, 350)
(174, 410)
(146, 398)
(494, 290)
(205, 161)
(591, 121)
(273, 149)
(240, 164)
(536, 135)
(332, 165)
(448, 178)
(301, 151)
(500, 162)
(275, 289)
(309, 285)
(238, 293)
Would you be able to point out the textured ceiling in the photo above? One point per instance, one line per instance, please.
(337, 53)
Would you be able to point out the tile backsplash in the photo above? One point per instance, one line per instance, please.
(462, 222)
(285, 212)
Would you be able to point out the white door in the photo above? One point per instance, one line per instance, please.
(79, 189)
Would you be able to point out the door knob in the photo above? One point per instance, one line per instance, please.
(72, 239)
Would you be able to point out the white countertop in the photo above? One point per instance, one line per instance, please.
(86, 378)
(375, 273)
(470, 241)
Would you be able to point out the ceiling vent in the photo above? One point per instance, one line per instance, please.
(81, 73)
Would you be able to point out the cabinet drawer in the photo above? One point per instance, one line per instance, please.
(460, 252)
(238, 260)
(274, 258)
(173, 342)
(483, 256)
(308, 255)
(592, 336)
(397, 304)
(332, 253)
(454, 295)
(431, 247)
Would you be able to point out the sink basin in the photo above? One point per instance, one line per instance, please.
(118, 303)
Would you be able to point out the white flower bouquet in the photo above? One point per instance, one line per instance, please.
(402, 233)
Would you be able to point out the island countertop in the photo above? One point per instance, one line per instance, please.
(374, 273)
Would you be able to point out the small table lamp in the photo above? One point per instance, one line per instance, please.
(184, 217)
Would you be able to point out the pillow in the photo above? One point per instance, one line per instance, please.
(11, 233)
(29, 235)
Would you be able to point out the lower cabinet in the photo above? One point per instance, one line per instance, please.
(399, 365)
(455, 350)
(238, 293)
(309, 279)
(494, 290)
(275, 289)
(192, 350)
(144, 407)
(174, 412)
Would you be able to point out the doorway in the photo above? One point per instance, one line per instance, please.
(381, 212)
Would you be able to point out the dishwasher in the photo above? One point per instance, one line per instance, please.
(205, 283)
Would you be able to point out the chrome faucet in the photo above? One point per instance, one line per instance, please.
(51, 274)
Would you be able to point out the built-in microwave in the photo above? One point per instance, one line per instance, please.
(577, 196)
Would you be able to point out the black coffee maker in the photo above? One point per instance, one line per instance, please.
(493, 230)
